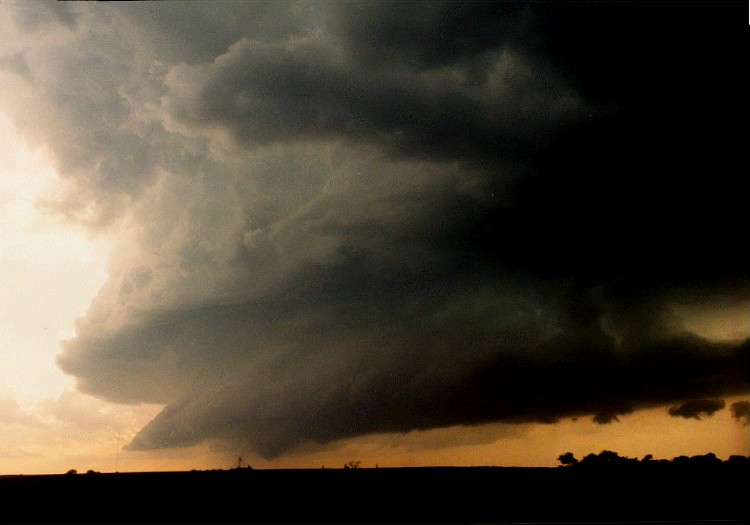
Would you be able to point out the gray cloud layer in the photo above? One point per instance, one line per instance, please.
(335, 219)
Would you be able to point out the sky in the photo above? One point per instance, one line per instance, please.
(404, 233)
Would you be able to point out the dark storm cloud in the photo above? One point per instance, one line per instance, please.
(336, 219)
(695, 408)
(426, 34)
(305, 89)
(741, 411)
(582, 183)
(322, 396)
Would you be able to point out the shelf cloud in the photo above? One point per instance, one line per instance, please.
(337, 219)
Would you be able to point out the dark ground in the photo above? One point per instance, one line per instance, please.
(386, 495)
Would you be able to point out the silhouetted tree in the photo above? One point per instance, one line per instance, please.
(609, 456)
(567, 459)
(706, 460)
(681, 461)
(738, 460)
(608, 459)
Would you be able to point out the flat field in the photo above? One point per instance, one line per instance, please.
(385, 495)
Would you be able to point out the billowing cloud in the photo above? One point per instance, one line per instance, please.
(381, 217)
(695, 408)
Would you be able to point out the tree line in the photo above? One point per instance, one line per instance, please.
(611, 459)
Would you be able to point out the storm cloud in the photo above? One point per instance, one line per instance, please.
(696, 408)
(741, 411)
(333, 219)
